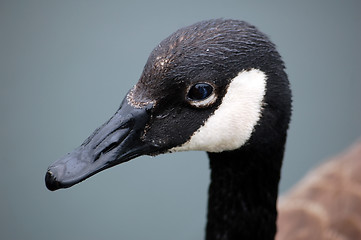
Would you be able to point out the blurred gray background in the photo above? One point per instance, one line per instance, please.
(65, 66)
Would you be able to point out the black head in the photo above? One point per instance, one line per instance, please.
(205, 87)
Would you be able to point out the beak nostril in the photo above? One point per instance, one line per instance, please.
(50, 181)
(106, 150)
(116, 137)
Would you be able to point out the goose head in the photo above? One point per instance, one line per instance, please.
(215, 86)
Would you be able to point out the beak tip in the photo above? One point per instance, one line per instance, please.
(50, 181)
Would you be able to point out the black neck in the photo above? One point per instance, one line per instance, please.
(243, 193)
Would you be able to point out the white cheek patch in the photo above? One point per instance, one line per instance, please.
(232, 123)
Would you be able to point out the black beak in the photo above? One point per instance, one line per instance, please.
(116, 141)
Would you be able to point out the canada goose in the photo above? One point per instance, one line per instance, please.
(217, 86)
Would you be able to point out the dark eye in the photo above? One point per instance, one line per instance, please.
(200, 91)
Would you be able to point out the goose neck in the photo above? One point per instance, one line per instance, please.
(243, 194)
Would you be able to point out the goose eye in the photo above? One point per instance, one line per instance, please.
(201, 95)
(200, 91)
